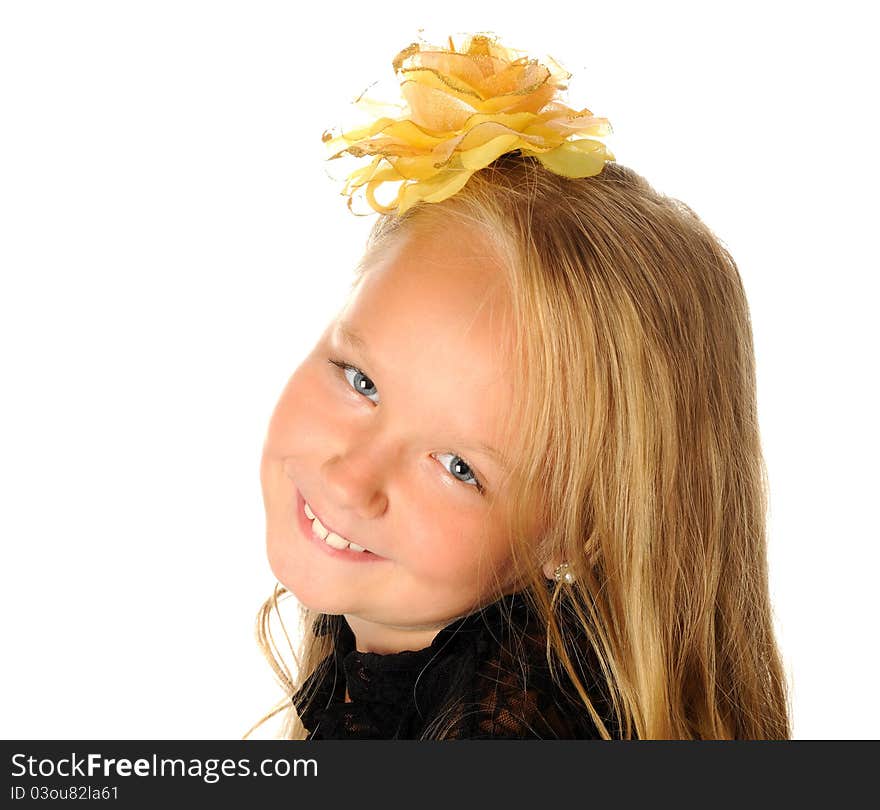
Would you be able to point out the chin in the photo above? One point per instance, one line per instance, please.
(310, 592)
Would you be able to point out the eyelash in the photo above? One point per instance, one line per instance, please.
(343, 366)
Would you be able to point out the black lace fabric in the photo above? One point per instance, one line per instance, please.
(485, 676)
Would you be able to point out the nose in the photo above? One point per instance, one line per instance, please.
(354, 480)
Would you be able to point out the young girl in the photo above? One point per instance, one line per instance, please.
(517, 487)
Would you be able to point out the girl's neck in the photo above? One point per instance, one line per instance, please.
(387, 639)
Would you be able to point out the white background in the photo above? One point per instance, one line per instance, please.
(171, 246)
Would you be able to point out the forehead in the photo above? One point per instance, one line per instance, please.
(433, 310)
(446, 288)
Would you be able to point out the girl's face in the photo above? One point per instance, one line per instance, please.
(388, 430)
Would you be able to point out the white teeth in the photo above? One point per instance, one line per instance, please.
(330, 538)
(333, 539)
(318, 529)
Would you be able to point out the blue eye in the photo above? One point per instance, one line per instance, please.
(361, 383)
(358, 380)
(461, 467)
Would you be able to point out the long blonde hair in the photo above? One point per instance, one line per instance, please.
(636, 429)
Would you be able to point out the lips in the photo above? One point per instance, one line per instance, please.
(343, 554)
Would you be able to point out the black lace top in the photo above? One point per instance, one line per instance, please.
(485, 676)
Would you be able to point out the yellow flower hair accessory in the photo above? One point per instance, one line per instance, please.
(464, 107)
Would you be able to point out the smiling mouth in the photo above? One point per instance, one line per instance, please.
(331, 538)
(330, 542)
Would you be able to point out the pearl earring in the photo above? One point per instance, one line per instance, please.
(563, 573)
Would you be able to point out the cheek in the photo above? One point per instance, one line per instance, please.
(454, 547)
(301, 410)
(295, 425)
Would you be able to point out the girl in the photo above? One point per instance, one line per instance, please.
(517, 488)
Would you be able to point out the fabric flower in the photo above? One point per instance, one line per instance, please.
(464, 107)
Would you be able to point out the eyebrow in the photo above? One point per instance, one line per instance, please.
(353, 339)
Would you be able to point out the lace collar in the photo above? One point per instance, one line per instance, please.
(386, 687)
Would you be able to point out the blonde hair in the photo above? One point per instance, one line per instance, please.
(636, 430)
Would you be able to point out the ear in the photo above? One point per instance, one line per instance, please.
(549, 567)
